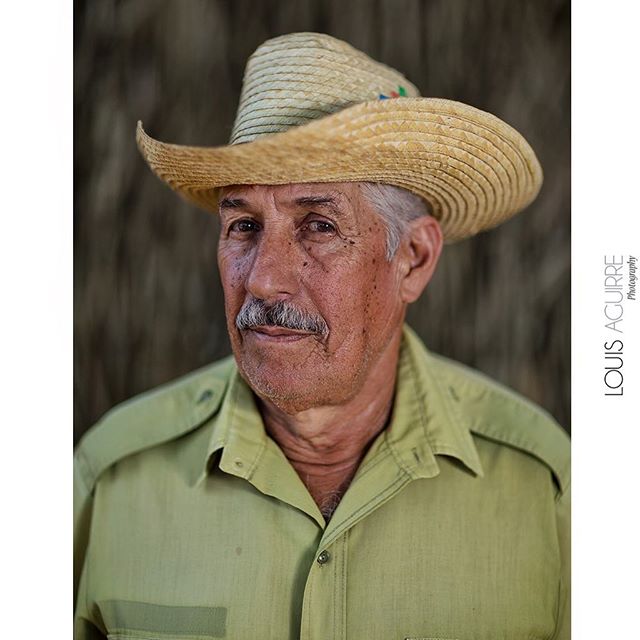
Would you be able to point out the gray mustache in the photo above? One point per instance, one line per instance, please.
(256, 312)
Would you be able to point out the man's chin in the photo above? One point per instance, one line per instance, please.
(286, 392)
(289, 377)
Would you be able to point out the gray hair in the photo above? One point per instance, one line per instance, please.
(397, 207)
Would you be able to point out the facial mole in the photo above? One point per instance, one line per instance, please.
(352, 241)
(304, 264)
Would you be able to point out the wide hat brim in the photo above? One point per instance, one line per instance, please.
(471, 167)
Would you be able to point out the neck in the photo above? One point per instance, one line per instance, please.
(326, 444)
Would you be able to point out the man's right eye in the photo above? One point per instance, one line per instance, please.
(244, 226)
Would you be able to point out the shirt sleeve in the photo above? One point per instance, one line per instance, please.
(82, 507)
(83, 629)
(563, 511)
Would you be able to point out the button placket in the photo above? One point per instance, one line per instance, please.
(323, 605)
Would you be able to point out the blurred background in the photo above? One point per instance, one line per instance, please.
(148, 303)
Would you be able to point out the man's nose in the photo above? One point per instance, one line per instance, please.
(274, 273)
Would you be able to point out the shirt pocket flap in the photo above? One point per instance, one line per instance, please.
(143, 620)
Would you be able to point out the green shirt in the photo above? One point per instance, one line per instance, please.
(191, 523)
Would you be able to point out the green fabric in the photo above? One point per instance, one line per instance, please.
(124, 617)
(456, 525)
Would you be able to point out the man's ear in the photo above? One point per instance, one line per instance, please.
(420, 252)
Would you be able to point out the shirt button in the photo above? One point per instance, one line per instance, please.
(238, 463)
(323, 557)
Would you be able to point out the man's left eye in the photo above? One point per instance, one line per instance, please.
(320, 226)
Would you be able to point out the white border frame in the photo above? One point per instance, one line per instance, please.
(36, 111)
(606, 139)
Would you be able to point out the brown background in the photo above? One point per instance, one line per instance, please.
(148, 304)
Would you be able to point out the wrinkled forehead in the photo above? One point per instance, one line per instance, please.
(343, 197)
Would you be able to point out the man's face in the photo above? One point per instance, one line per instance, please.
(319, 250)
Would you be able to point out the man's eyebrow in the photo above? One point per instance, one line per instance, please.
(327, 201)
(232, 203)
(319, 201)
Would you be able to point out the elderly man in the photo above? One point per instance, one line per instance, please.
(333, 479)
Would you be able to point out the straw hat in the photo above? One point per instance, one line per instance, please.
(314, 109)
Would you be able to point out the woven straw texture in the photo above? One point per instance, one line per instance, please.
(310, 111)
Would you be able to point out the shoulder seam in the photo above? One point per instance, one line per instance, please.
(558, 469)
(481, 379)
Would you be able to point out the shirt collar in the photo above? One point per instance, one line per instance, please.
(426, 422)
(236, 432)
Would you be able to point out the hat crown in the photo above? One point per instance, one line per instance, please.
(296, 78)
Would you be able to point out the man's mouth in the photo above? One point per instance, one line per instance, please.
(278, 334)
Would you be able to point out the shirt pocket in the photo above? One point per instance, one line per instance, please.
(129, 620)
